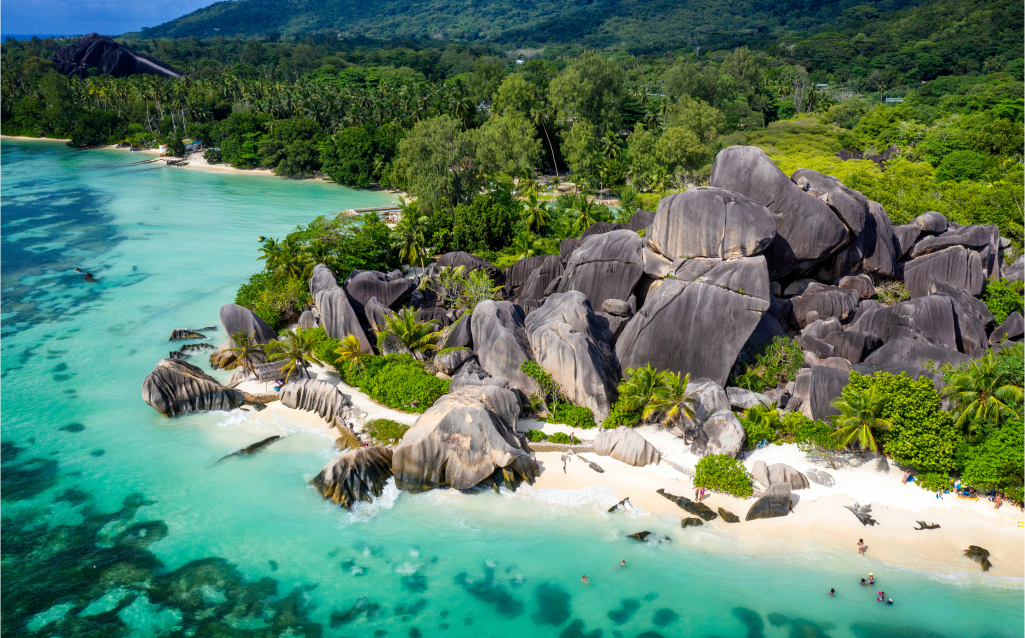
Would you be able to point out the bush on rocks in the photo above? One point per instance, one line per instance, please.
(723, 473)
(1002, 298)
(386, 430)
(777, 363)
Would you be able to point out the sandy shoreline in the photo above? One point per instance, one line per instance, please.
(819, 524)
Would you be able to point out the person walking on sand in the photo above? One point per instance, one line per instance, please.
(697, 494)
(861, 546)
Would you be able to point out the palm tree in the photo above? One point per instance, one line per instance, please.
(639, 386)
(979, 393)
(408, 235)
(859, 417)
(585, 212)
(270, 254)
(671, 397)
(418, 336)
(349, 350)
(535, 214)
(524, 245)
(296, 351)
(247, 349)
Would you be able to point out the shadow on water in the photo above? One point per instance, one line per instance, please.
(83, 576)
(754, 623)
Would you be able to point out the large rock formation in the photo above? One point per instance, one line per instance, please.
(358, 476)
(321, 397)
(103, 53)
(905, 351)
(175, 387)
(819, 301)
(336, 313)
(769, 475)
(471, 374)
(538, 280)
(500, 343)
(469, 263)
(879, 245)
(606, 266)
(698, 322)
(721, 433)
(816, 387)
(626, 445)
(851, 205)
(518, 274)
(774, 503)
(571, 345)
(807, 229)
(939, 320)
(466, 438)
(710, 222)
(955, 266)
(236, 319)
(389, 290)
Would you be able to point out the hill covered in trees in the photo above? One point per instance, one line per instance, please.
(655, 25)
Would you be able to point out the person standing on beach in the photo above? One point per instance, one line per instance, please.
(861, 546)
(697, 494)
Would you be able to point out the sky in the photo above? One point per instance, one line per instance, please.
(74, 17)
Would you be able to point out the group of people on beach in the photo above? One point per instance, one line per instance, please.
(880, 596)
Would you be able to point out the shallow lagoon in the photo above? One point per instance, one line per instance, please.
(170, 246)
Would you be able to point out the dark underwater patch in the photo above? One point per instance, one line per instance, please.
(627, 608)
(490, 592)
(553, 605)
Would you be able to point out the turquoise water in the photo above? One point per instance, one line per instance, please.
(246, 547)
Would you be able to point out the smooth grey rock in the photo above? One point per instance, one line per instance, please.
(316, 396)
(336, 313)
(903, 350)
(954, 266)
(437, 315)
(598, 228)
(362, 286)
(541, 278)
(500, 343)
(879, 245)
(450, 362)
(930, 319)
(471, 374)
(640, 220)
(605, 266)
(308, 320)
(567, 246)
(626, 445)
(821, 327)
(1016, 271)
(931, 222)
(709, 398)
(571, 345)
(975, 237)
(261, 372)
(798, 287)
(700, 509)
(721, 433)
(235, 319)
(905, 237)
(817, 387)
(852, 345)
(461, 335)
(742, 399)
(773, 504)
(469, 263)
(808, 231)
(176, 387)
(467, 438)
(613, 326)
(851, 205)
(389, 343)
(655, 265)
(860, 283)
(820, 477)
(769, 475)
(973, 320)
(358, 476)
(818, 347)
(517, 274)
(825, 301)
(1012, 328)
(710, 222)
(377, 313)
(698, 327)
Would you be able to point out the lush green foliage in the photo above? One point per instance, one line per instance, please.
(360, 155)
(563, 439)
(486, 223)
(535, 436)
(276, 300)
(398, 381)
(296, 349)
(980, 395)
(621, 414)
(723, 473)
(1004, 297)
(776, 364)
(890, 293)
(385, 430)
(418, 336)
(816, 438)
(575, 416)
(559, 410)
(921, 434)
(996, 464)
(860, 417)
(761, 424)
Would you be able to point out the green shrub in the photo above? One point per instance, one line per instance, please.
(386, 430)
(997, 464)
(1004, 297)
(922, 435)
(934, 481)
(275, 299)
(723, 473)
(548, 389)
(892, 292)
(760, 424)
(397, 381)
(450, 350)
(776, 364)
(812, 437)
(963, 165)
(535, 436)
(572, 415)
(621, 414)
(487, 222)
(563, 438)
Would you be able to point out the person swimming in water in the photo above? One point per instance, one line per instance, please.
(871, 579)
(585, 580)
(622, 563)
(863, 583)
(832, 592)
(889, 602)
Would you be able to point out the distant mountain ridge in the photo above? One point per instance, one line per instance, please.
(634, 25)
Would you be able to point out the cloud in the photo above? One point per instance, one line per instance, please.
(107, 17)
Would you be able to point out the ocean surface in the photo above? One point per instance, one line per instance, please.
(120, 522)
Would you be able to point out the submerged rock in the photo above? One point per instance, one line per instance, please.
(355, 477)
(185, 334)
(466, 438)
(728, 516)
(640, 535)
(691, 521)
(176, 387)
(774, 503)
(627, 445)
